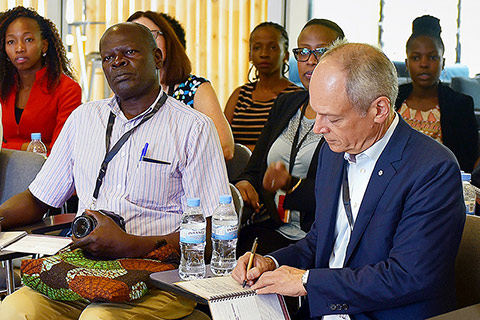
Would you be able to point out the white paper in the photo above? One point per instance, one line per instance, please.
(8, 237)
(39, 244)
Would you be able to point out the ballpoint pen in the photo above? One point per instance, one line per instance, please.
(144, 151)
(250, 260)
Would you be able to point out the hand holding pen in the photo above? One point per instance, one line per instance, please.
(250, 260)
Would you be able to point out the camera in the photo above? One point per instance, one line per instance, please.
(84, 224)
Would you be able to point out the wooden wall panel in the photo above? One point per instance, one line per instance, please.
(217, 34)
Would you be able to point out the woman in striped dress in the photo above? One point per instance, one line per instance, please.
(248, 107)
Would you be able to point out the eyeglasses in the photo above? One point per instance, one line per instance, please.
(156, 33)
(303, 54)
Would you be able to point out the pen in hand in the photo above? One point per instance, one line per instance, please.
(250, 260)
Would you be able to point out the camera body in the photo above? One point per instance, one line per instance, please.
(84, 224)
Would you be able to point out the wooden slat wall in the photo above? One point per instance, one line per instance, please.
(217, 34)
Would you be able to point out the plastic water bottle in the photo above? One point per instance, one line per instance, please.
(468, 193)
(36, 145)
(224, 237)
(192, 241)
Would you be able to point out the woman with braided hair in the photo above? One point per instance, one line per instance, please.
(37, 91)
(430, 106)
(248, 106)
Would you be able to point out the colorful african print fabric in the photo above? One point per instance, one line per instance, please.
(427, 122)
(185, 92)
(71, 275)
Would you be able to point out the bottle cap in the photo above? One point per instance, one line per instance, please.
(466, 176)
(193, 202)
(36, 136)
(226, 199)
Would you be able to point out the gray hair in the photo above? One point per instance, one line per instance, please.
(369, 73)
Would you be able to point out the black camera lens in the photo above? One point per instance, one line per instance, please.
(83, 225)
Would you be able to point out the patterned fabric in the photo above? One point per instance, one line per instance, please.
(427, 122)
(71, 276)
(186, 90)
(249, 116)
(149, 196)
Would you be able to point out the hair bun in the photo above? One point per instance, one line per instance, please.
(426, 25)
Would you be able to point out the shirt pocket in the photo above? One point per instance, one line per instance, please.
(155, 186)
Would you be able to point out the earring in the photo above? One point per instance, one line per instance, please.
(8, 59)
(256, 74)
(285, 69)
(44, 54)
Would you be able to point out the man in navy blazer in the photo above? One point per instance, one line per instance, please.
(390, 211)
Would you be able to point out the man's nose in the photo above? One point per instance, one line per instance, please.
(320, 125)
(119, 61)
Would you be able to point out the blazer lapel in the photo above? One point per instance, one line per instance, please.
(327, 190)
(381, 176)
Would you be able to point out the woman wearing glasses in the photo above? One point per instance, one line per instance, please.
(248, 107)
(176, 78)
(278, 182)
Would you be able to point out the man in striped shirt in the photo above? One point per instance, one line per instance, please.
(174, 155)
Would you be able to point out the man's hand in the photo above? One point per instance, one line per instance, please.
(260, 265)
(249, 194)
(285, 280)
(107, 240)
(276, 177)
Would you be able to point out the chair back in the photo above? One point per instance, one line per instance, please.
(17, 171)
(239, 161)
(467, 264)
(237, 202)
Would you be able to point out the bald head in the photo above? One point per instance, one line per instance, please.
(352, 91)
(138, 30)
(368, 72)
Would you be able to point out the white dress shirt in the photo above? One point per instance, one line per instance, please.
(359, 173)
(150, 196)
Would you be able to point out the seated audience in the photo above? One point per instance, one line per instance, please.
(287, 141)
(248, 107)
(389, 215)
(184, 156)
(430, 106)
(37, 91)
(176, 79)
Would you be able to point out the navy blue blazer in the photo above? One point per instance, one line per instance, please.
(400, 258)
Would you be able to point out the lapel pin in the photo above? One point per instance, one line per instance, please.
(380, 172)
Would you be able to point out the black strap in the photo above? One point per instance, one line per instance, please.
(295, 144)
(110, 154)
(346, 196)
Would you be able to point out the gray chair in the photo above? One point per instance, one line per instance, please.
(17, 171)
(467, 264)
(239, 161)
(237, 202)
(471, 87)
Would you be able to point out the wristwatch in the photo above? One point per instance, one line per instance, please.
(305, 279)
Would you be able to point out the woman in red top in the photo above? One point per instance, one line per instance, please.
(37, 92)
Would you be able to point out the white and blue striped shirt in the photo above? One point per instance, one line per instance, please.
(150, 196)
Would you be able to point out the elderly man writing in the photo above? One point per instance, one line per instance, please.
(388, 222)
(184, 157)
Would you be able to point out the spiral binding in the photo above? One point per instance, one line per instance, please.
(234, 295)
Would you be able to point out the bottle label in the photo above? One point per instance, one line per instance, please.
(192, 235)
(470, 206)
(220, 232)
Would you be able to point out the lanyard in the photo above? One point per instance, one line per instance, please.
(295, 144)
(346, 196)
(110, 154)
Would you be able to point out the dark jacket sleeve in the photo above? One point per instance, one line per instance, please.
(457, 120)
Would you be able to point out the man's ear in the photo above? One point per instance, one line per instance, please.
(382, 106)
(158, 56)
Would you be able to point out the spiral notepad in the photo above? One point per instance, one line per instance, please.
(228, 300)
